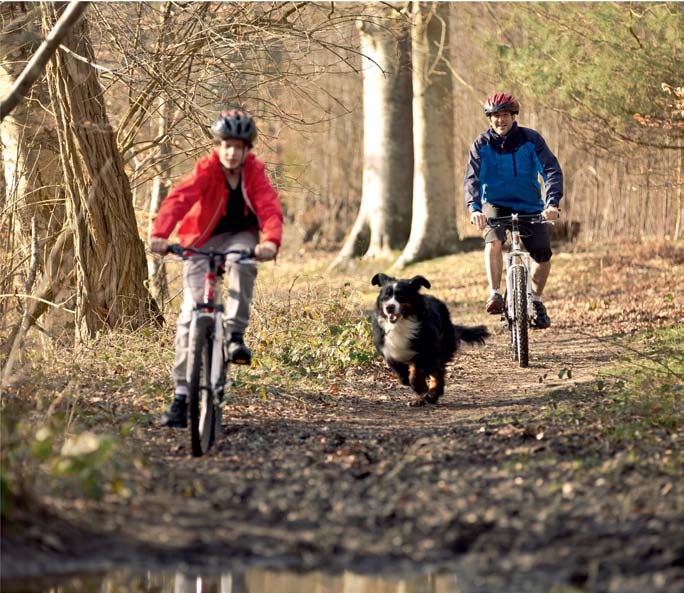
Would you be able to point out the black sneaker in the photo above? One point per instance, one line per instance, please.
(177, 414)
(540, 319)
(495, 304)
(238, 353)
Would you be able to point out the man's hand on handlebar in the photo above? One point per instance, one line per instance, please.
(479, 219)
(159, 245)
(551, 213)
(265, 251)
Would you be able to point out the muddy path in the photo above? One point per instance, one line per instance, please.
(493, 482)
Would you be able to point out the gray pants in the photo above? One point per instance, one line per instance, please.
(238, 297)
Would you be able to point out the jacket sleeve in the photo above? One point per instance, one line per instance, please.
(268, 208)
(177, 203)
(471, 181)
(550, 170)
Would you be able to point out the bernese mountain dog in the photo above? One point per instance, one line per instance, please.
(413, 332)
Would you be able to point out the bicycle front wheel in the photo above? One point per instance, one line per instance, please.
(200, 393)
(520, 324)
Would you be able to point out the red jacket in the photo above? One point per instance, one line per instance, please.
(199, 201)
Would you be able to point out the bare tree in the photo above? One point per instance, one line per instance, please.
(36, 65)
(110, 259)
(384, 217)
(32, 214)
(433, 229)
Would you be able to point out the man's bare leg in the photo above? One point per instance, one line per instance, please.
(493, 264)
(540, 274)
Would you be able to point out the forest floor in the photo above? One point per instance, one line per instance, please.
(557, 475)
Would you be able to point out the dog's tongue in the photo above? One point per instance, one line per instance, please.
(393, 317)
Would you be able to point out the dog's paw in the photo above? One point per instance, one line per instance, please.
(417, 401)
(431, 397)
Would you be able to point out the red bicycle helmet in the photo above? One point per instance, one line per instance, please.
(501, 102)
(235, 123)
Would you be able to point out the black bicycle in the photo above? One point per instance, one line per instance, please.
(519, 307)
(207, 367)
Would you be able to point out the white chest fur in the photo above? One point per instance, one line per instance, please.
(398, 338)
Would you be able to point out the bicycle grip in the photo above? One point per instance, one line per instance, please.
(175, 248)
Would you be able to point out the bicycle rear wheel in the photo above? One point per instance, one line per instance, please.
(200, 394)
(520, 325)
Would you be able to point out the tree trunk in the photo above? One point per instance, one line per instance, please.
(383, 222)
(433, 229)
(156, 270)
(110, 257)
(33, 212)
(31, 166)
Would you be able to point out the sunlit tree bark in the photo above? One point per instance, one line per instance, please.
(156, 269)
(109, 255)
(384, 215)
(433, 229)
(31, 167)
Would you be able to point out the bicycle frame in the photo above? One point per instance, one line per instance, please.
(211, 313)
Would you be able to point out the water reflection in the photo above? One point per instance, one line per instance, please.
(250, 581)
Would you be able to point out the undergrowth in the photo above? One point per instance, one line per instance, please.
(65, 425)
(636, 405)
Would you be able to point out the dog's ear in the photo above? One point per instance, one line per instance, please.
(419, 281)
(381, 279)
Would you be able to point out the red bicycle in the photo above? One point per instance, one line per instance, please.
(207, 368)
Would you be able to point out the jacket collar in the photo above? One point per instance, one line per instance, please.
(509, 140)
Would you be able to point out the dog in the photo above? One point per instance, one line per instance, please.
(413, 332)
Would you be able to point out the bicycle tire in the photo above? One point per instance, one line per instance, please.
(200, 395)
(520, 321)
(511, 326)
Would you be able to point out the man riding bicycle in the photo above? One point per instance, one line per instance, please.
(228, 202)
(502, 178)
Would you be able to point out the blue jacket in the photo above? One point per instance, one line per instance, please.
(503, 170)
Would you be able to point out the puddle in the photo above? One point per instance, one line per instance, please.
(249, 581)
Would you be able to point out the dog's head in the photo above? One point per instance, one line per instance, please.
(398, 299)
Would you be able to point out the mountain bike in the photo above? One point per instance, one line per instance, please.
(207, 361)
(518, 305)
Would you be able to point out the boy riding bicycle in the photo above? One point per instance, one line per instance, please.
(502, 178)
(228, 202)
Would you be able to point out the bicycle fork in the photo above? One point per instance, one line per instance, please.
(521, 260)
(211, 321)
(517, 258)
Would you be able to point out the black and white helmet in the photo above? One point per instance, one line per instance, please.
(235, 124)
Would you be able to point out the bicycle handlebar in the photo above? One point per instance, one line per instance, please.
(533, 218)
(178, 249)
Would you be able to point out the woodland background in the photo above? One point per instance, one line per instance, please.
(123, 112)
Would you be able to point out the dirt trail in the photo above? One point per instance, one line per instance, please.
(478, 482)
(492, 483)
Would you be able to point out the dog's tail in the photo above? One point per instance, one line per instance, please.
(471, 334)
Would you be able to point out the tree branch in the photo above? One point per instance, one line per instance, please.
(37, 63)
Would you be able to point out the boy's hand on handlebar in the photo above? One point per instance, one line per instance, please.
(479, 219)
(159, 245)
(551, 213)
(265, 251)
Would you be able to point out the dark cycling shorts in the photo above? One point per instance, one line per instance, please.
(535, 237)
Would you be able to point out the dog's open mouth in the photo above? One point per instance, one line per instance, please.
(393, 317)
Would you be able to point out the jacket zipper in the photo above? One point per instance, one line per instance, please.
(515, 169)
(210, 226)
